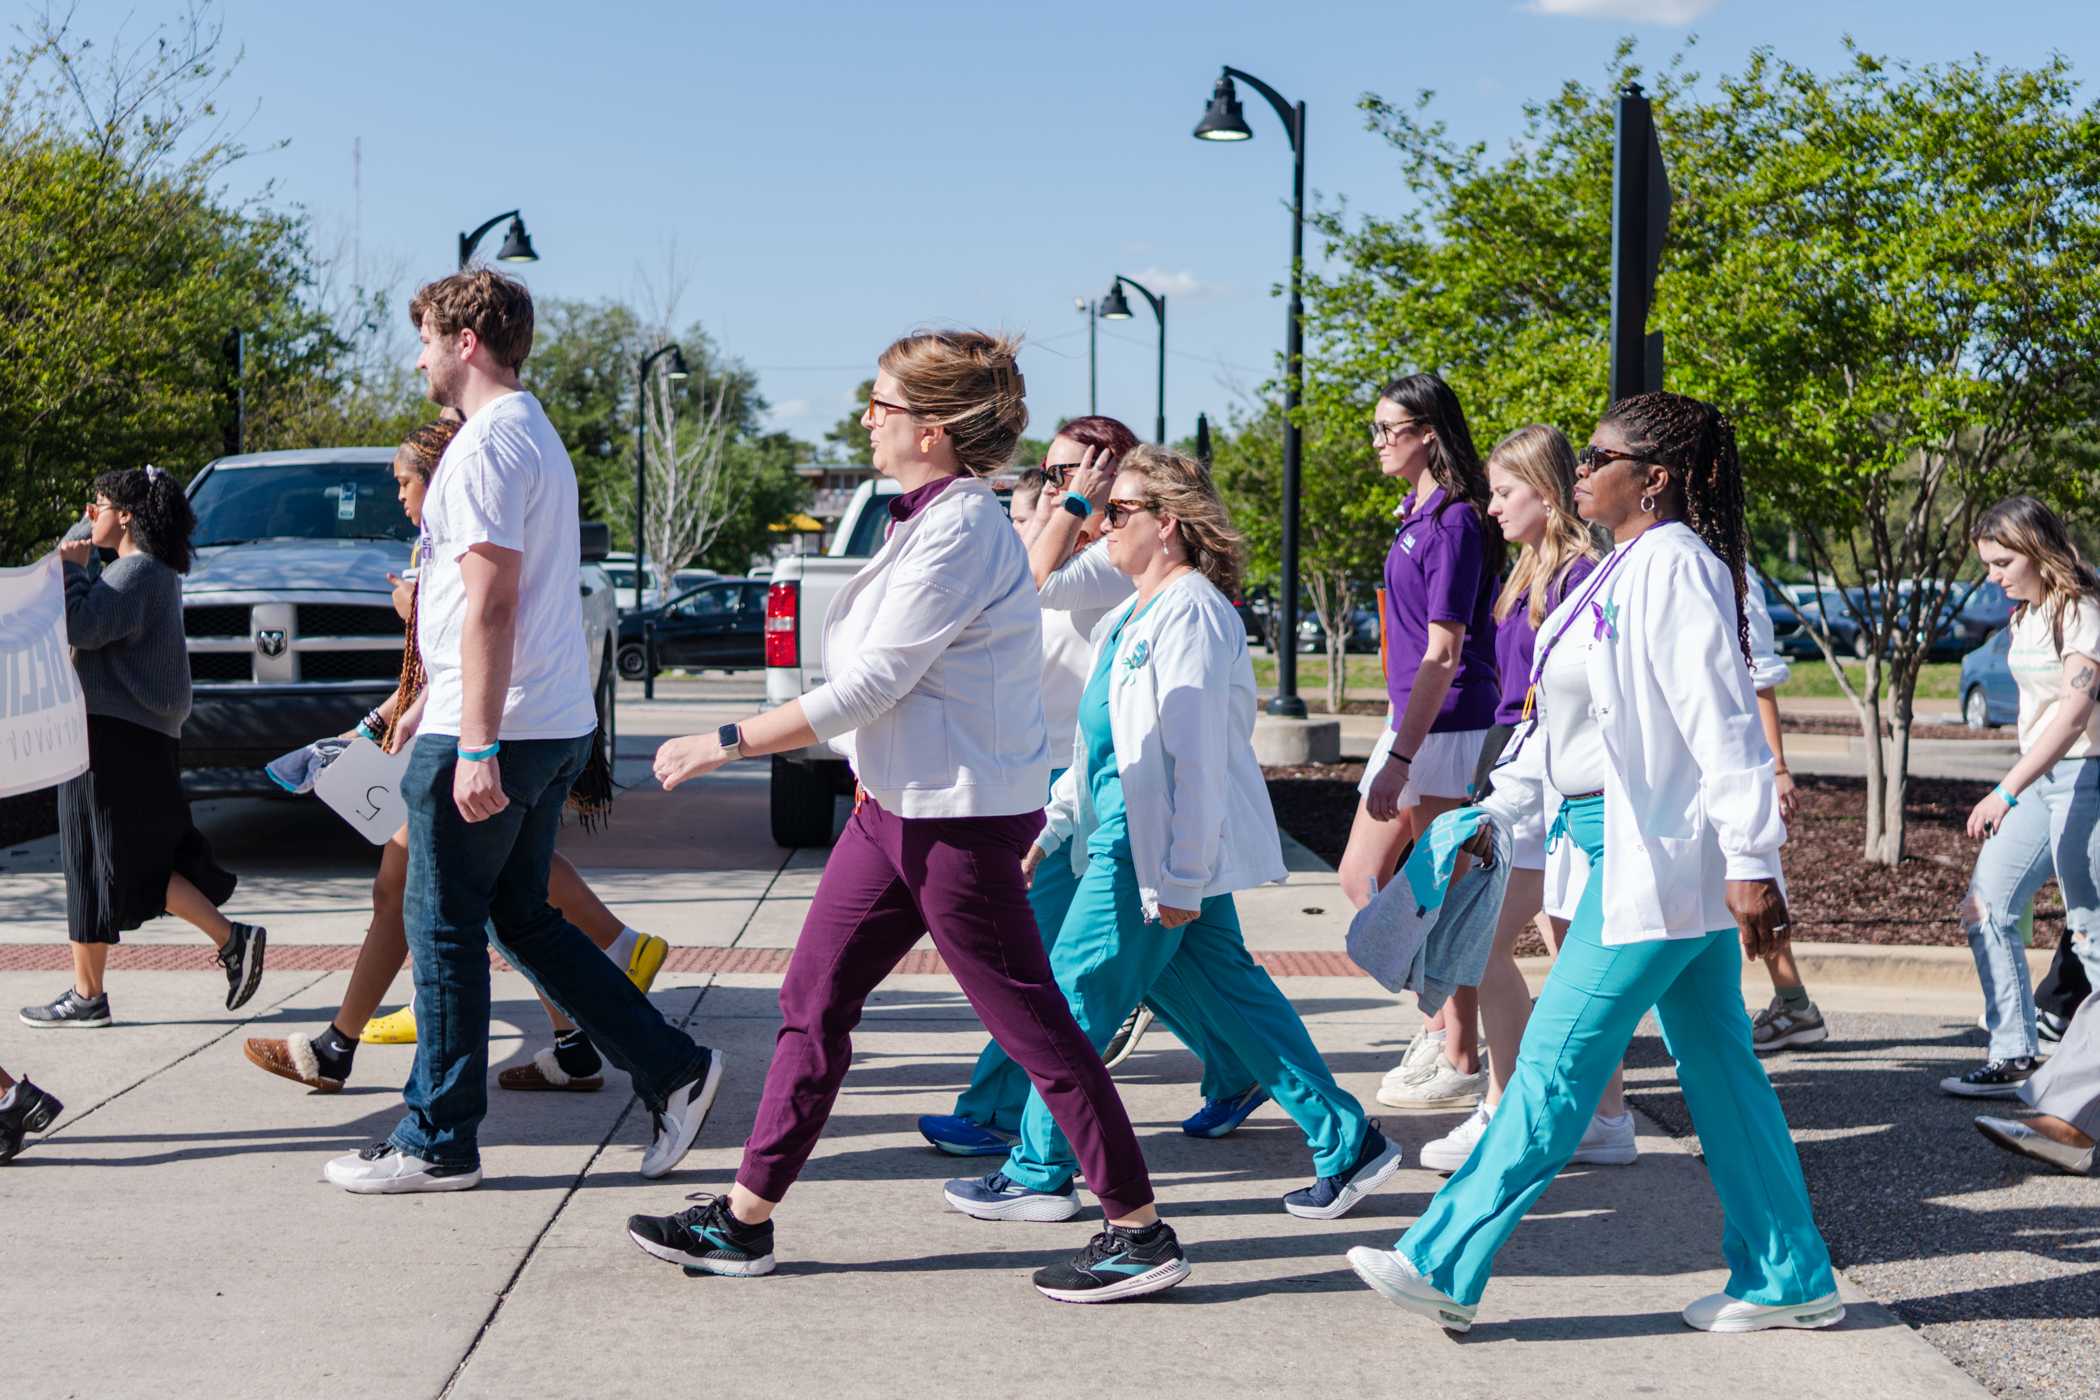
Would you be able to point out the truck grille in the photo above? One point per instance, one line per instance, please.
(218, 620)
(350, 665)
(220, 665)
(347, 620)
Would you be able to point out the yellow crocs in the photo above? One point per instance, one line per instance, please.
(397, 1029)
(648, 960)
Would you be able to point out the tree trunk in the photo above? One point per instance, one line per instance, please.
(1875, 848)
(1337, 669)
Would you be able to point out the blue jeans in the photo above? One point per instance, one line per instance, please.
(1586, 1015)
(471, 882)
(2054, 829)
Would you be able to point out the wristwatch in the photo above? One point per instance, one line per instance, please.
(1078, 505)
(731, 738)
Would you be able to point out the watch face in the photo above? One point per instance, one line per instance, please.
(727, 736)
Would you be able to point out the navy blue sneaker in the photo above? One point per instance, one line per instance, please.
(960, 1137)
(1218, 1117)
(1116, 1264)
(1331, 1197)
(994, 1197)
(706, 1239)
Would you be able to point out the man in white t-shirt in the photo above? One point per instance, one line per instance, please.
(507, 725)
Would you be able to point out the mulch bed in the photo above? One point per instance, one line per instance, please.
(1837, 896)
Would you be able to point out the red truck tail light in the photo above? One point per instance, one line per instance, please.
(783, 618)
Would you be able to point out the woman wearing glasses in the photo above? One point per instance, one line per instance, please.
(1075, 597)
(1646, 752)
(934, 653)
(1163, 815)
(1441, 575)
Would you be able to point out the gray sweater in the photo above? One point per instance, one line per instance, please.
(126, 631)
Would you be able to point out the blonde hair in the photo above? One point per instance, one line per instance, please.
(1540, 457)
(2024, 525)
(1180, 488)
(968, 384)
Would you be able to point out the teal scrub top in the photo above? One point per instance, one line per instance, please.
(1111, 837)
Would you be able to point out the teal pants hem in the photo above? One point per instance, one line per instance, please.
(1107, 959)
(1578, 1033)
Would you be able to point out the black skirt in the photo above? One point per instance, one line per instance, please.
(124, 828)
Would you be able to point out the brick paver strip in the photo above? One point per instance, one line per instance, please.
(339, 957)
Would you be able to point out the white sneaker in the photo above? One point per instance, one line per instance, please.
(678, 1121)
(1449, 1152)
(1442, 1087)
(1419, 1059)
(385, 1170)
(1389, 1272)
(1607, 1142)
(1717, 1312)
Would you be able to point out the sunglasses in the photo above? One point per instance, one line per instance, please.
(1597, 458)
(881, 409)
(1117, 511)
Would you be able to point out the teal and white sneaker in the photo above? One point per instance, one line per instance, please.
(1717, 1312)
(1116, 1264)
(1393, 1275)
(706, 1239)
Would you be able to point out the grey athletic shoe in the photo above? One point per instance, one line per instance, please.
(1776, 1028)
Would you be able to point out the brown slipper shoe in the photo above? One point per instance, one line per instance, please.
(293, 1059)
(545, 1073)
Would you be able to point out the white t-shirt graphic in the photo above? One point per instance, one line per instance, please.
(506, 480)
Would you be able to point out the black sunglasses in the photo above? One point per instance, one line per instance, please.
(1594, 458)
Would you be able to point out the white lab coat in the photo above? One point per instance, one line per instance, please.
(1689, 800)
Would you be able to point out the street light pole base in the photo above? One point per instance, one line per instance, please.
(1292, 743)
(1285, 707)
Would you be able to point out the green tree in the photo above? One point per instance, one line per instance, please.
(1884, 276)
(847, 437)
(774, 493)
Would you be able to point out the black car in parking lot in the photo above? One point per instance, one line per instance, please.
(719, 626)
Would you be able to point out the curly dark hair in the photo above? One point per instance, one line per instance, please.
(1697, 442)
(161, 519)
(1454, 462)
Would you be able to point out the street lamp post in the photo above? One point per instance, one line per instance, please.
(1116, 307)
(676, 373)
(1223, 121)
(1090, 310)
(517, 244)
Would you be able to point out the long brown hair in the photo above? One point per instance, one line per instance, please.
(2025, 526)
(1180, 488)
(1540, 457)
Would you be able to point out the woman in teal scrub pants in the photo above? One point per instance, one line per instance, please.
(1165, 815)
(1647, 753)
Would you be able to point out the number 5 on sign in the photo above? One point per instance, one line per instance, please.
(364, 788)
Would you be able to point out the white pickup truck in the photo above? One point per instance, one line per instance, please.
(808, 782)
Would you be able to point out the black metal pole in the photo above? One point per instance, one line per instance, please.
(1159, 422)
(1640, 218)
(1093, 374)
(1286, 701)
(236, 436)
(641, 476)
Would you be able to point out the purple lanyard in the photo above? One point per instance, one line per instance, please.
(1538, 671)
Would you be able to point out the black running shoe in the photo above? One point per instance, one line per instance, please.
(69, 1010)
(706, 1239)
(2049, 1027)
(1125, 1040)
(1116, 1264)
(242, 957)
(32, 1111)
(1994, 1079)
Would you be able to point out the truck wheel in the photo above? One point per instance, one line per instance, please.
(802, 804)
(633, 663)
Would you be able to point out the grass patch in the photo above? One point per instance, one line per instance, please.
(1366, 681)
(1939, 680)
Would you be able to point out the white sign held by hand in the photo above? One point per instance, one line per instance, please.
(364, 788)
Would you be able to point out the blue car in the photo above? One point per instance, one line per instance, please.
(1988, 695)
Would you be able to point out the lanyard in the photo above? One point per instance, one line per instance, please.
(1589, 593)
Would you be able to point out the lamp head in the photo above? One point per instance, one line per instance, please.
(1223, 120)
(678, 372)
(1114, 306)
(517, 245)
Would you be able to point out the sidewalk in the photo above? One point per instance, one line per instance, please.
(245, 1275)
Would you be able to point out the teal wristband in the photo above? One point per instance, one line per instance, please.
(366, 731)
(1077, 504)
(480, 755)
(2007, 798)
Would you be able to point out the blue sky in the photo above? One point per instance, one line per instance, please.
(832, 174)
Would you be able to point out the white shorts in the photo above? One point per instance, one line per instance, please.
(1442, 767)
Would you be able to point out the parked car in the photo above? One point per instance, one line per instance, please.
(1980, 609)
(719, 626)
(1362, 635)
(289, 616)
(686, 580)
(619, 567)
(1988, 695)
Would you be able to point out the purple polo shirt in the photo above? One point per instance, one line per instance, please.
(1436, 572)
(1516, 640)
(909, 503)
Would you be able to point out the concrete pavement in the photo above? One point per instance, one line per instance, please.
(172, 1235)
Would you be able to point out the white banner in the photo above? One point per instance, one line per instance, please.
(43, 717)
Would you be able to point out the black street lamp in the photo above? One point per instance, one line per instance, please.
(1223, 121)
(1116, 307)
(675, 374)
(517, 244)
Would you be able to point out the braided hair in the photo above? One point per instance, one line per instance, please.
(1697, 442)
(424, 449)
